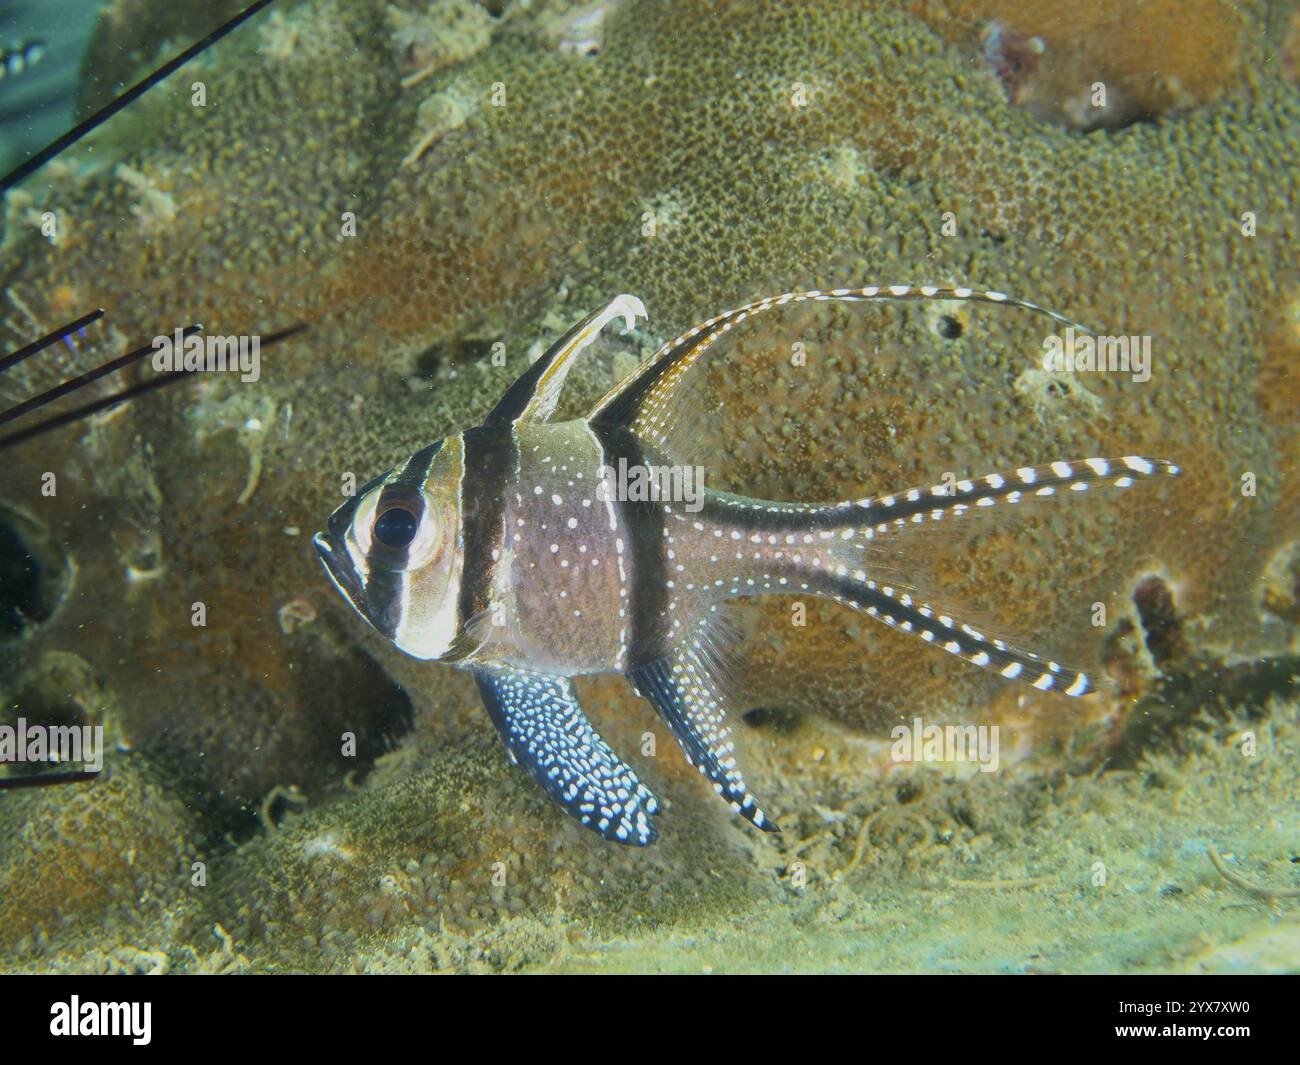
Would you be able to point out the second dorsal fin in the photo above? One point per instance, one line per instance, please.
(647, 400)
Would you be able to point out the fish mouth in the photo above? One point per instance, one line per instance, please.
(341, 571)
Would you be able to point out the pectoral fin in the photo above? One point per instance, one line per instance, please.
(546, 732)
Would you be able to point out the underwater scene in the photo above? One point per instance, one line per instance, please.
(650, 486)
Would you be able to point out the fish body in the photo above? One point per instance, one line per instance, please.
(519, 550)
(567, 581)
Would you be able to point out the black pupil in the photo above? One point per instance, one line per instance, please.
(396, 527)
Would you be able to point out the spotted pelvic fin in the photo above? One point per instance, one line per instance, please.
(645, 400)
(546, 731)
(689, 687)
(535, 393)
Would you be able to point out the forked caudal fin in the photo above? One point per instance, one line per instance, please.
(848, 531)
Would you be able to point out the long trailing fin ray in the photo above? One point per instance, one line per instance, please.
(853, 528)
(690, 687)
(536, 391)
(962, 639)
(908, 534)
(545, 731)
(961, 496)
(644, 400)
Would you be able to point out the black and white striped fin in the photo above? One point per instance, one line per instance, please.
(644, 399)
(917, 550)
(690, 687)
(954, 498)
(546, 731)
(536, 391)
(899, 610)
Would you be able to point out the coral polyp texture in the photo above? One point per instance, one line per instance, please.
(438, 190)
(1105, 63)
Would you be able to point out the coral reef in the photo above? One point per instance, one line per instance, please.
(440, 863)
(1153, 59)
(112, 856)
(699, 155)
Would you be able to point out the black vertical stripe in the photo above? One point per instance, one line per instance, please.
(642, 525)
(386, 564)
(414, 472)
(491, 467)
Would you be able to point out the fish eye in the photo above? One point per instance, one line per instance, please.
(396, 527)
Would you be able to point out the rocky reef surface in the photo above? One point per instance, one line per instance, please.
(420, 182)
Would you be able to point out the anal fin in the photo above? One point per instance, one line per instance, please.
(688, 686)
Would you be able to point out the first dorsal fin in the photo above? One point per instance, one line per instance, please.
(536, 391)
(643, 401)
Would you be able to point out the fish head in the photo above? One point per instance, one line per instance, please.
(393, 550)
